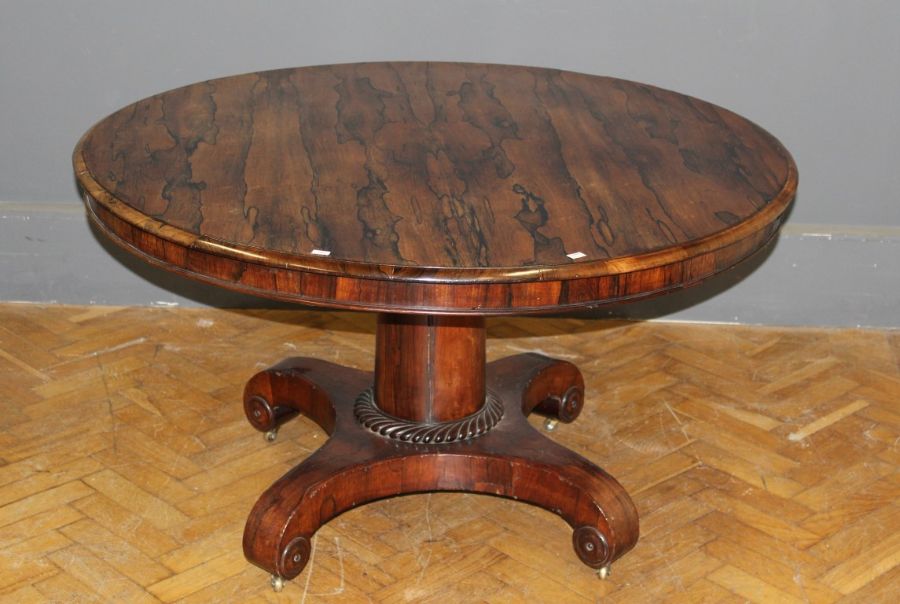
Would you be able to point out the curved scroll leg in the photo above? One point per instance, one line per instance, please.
(337, 477)
(297, 385)
(555, 389)
(512, 460)
(314, 388)
(549, 387)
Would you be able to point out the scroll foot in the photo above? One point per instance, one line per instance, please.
(548, 387)
(294, 386)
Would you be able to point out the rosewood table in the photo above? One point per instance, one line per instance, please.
(433, 194)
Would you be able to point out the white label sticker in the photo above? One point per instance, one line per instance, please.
(576, 255)
(321, 253)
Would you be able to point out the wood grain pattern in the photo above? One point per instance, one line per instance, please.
(421, 177)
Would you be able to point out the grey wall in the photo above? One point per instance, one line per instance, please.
(820, 75)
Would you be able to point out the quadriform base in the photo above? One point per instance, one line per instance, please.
(372, 454)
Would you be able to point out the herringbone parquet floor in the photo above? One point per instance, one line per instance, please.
(764, 463)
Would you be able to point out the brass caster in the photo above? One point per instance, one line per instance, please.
(271, 435)
(277, 583)
(550, 424)
(604, 571)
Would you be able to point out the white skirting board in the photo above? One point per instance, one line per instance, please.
(824, 275)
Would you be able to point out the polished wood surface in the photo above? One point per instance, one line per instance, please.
(763, 462)
(435, 187)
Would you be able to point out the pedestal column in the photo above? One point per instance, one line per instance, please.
(429, 368)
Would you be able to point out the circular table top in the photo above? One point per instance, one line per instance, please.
(435, 187)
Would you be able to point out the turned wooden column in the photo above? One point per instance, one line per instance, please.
(429, 368)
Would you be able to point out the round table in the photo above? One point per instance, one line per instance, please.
(434, 194)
